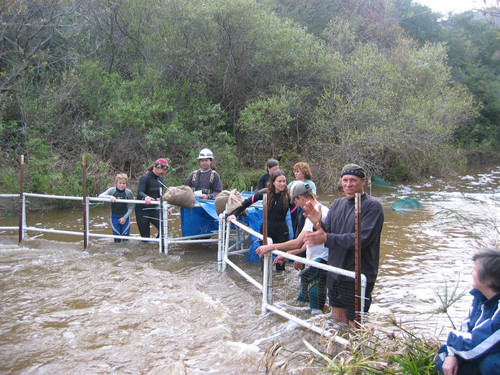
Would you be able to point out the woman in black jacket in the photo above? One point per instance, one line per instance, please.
(278, 203)
(150, 189)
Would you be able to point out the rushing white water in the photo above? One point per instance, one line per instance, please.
(125, 308)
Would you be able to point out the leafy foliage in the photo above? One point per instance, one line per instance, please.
(370, 351)
(127, 81)
(404, 110)
(472, 47)
(271, 124)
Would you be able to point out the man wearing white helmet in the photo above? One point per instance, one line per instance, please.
(205, 179)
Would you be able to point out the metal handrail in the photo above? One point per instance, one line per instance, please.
(26, 228)
(266, 305)
(163, 241)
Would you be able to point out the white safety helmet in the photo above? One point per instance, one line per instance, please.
(205, 154)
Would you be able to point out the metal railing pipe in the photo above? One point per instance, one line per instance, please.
(21, 200)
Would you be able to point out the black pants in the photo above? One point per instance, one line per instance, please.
(145, 216)
(341, 294)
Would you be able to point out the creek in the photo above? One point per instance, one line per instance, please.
(125, 308)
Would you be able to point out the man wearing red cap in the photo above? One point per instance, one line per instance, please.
(150, 185)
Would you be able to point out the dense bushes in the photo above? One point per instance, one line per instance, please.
(128, 81)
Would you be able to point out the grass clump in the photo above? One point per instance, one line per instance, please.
(371, 350)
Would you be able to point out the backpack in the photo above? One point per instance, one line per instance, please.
(195, 181)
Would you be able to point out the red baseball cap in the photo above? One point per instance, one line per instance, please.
(161, 162)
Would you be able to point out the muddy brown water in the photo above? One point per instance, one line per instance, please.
(125, 308)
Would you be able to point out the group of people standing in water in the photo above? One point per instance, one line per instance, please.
(327, 235)
(204, 181)
(149, 189)
(316, 229)
(324, 235)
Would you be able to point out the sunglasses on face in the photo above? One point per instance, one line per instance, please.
(162, 166)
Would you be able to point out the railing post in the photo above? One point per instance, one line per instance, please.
(87, 218)
(160, 223)
(164, 209)
(220, 241)
(225, 253)
(21, 201)
(85, 204)
(363, 295)
(25, 231)
(267, 281)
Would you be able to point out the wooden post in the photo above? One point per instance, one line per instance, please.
(84, 193)
(21, 200)
(357, 257)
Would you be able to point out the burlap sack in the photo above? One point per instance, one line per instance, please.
(234, 201)
(181, 196)
(232, 198)
(221, 201)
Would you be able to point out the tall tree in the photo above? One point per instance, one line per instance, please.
(32, 34)
(390, 111)
(472, 42)
(474, 55)
(419, 21)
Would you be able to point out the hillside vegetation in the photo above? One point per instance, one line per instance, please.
(389, 85)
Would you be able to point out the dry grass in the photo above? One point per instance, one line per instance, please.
(372, 349)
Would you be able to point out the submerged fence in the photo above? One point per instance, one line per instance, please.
(164, 239)
(240, 231)
(231, 240)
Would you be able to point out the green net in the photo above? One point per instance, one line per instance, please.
(379, 181)
(406, 204)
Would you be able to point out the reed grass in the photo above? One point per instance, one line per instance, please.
(394, 350)
(381, 346)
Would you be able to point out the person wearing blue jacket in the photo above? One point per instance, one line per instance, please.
(475, 348)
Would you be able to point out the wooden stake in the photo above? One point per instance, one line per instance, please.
(357, 257)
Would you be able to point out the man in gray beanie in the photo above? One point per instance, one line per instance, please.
(337, 232)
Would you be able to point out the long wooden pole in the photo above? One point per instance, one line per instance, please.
(357, 257)
(84, 193)
(21, 200)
